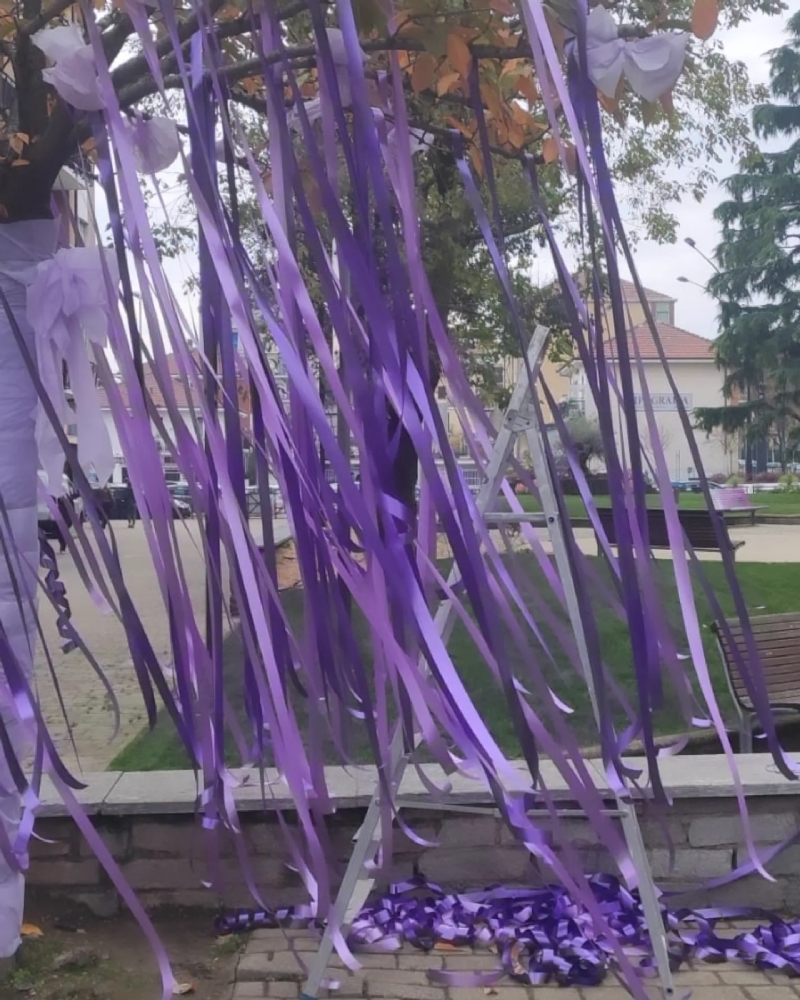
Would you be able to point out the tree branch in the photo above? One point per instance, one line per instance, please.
(43, 18)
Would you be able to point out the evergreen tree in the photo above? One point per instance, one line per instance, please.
(758, 282)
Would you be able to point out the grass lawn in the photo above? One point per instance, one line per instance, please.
(773, 502)
(768, 589)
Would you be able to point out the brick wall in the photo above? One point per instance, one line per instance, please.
(166, 858)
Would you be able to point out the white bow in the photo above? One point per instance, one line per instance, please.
(68, 306)
(651, 65)
(74, 74)
(339, 56)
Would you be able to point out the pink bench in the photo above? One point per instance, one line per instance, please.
(735, 500)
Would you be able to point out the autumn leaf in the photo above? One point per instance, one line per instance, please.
(445, 946)
(705, 16)
(462, 128)
(550, 149)
(447, 81)
(528, 89)
(181, 989)
(31, 931)
(459, 55)
(423, 73)
(477, 164)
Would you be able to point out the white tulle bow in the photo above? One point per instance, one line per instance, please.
(69, 308)
(650, 65)
(74, 73)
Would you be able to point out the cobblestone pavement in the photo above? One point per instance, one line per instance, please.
(273, 966)
(89, 710)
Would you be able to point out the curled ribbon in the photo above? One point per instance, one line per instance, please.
(68, 307)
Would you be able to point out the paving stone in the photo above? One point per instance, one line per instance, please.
(420, 961)
(773, 993)
(256, 966)
(395, 976)
(696, 977)
(269, 935)
(405, 991)
(376, 960)
(484, 963)
(723, 991)
(505, 992)
(249, 991)
(743, 977)
(286, 991)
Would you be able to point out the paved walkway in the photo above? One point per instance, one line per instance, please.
(88, 708)
(272, 966)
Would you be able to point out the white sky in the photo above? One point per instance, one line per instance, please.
(660, 266)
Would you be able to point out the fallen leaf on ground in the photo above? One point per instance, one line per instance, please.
(31, 930)
(181, 989)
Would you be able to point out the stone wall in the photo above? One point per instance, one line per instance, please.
(165, 856)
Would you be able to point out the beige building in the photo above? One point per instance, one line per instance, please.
(698, 379)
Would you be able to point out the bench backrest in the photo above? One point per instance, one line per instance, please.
(731, 498)
(697, 525)
(777, 639)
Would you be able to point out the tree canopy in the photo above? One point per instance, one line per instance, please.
(758, 282)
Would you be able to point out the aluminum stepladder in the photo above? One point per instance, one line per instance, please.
(523, 417)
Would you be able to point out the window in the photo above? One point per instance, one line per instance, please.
(662, 312)
(441, 392)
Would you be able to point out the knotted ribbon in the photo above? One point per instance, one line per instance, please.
(650, 65)
(68, 308)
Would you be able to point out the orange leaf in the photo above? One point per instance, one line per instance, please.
(462, 128)
(550, 149)
(31, 931)
(571, 157)
(423, 73)
(492, 100)
(477, 163)
(704, 18)
(181, 989)
(527, 88)
(459, 54)
(447, 82)
(445, 946)
(557, 33)
(404, 59)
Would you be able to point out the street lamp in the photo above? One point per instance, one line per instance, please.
(688, 281)
(691, 243)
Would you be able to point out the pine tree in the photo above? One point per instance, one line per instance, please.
(758, 282)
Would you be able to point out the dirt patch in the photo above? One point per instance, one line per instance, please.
(80, 957)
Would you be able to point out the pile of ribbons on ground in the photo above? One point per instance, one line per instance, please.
(364, 555)
(542, 936)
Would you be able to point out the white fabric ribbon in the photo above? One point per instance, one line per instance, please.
(74, 70)
(650, 65)
(69, 308)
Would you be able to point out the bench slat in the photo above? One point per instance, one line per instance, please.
(777, 641)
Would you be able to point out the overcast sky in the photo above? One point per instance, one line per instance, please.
(660, 266)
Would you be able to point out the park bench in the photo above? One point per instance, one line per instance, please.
(735, 500)
(777, 639)
(697, 526)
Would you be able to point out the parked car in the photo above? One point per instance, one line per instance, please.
(693, 485)
(181, 495)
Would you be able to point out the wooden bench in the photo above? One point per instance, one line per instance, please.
(735, 500)
(777, 639)
(697, 527)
